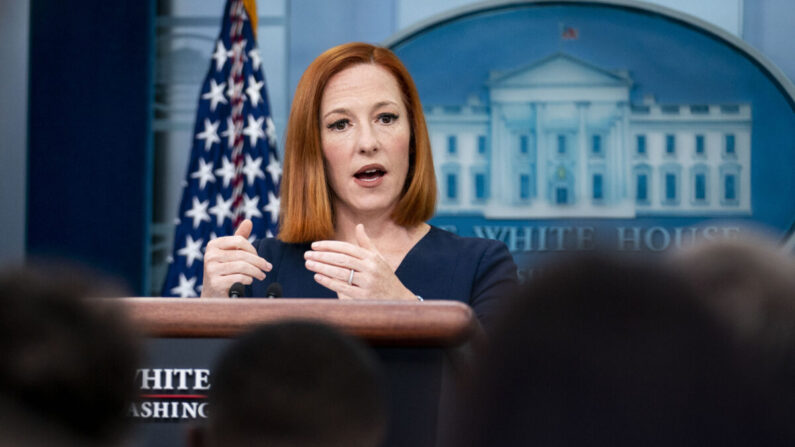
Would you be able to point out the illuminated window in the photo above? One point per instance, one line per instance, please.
(699, 144)
(641, 144)
(642, 194)
(701, 187)
(597, 187)
(596, 144)
(524, 186)
(452, 144)
(730, 187)
(730, 149)
(561, 196)
(481, 144)
(480, 186)
(452, 186)
(670, 144)
(670, 187)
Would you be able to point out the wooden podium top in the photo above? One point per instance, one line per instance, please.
(397, 323)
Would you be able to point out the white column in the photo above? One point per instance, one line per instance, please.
(581, 181)
(500, 156)
(623, 182)
(616, 129)
(541, 153)
(619, 177)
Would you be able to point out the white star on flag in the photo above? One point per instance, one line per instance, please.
(253, 90)
(186, 287)
(255, 60)
(210, 134)
(227, 171)
(270, 130)
(274, 169)
(235, 88)
(220, 55)
(215, 95)
(198, 212)
(222, 209)
(254, 129)
(229, 133)
(273, 206)
(204, 173)
(251, 206)
(252, 169)
(192, 250)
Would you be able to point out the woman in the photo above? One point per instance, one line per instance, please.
(358, 186)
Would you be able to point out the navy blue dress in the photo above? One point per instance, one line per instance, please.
(444, 266)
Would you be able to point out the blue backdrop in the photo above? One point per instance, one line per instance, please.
(677, 62)
(89, 153)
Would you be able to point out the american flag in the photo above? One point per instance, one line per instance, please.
(234, 170)
(568, 32)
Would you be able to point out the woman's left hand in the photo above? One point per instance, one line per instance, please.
(373, 278)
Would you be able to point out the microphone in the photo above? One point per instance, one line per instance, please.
(274, 291)
(237, 290)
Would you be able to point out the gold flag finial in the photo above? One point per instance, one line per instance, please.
(251, 10)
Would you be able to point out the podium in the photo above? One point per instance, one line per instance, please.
(423, 346)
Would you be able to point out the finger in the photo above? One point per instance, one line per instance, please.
(232, 243)
(224, 256)
(340, 247)
(234, 268)
(244, 229)
(227, 281)
(341, 287)
(219, 286)
(331, 271)
(363, 239)
(333, 258)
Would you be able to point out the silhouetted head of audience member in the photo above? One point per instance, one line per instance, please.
(750, 283)
(296, 384)
(68, 363)
(599, 350)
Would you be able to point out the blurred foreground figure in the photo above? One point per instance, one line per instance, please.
(68, 363)
(295, 384)
(750, 283)
(610, 352)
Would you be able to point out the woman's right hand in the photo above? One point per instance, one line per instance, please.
(231, 259)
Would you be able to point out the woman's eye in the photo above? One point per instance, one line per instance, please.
(338, 125)
(387, 118)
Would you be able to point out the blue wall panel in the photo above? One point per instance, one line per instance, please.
(89, 115)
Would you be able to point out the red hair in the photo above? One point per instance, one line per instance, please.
(306, 206)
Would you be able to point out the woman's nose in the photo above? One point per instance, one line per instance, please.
(368, 141)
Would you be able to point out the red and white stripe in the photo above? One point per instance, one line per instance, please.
(237, 12)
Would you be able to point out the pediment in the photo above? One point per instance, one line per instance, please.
(556, 70)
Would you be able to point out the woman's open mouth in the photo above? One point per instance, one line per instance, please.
(369, 175)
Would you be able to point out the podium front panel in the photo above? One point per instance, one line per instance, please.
(177, 372)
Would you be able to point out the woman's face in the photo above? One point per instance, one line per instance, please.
(365, 134)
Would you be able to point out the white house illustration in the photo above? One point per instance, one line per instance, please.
(560, 138)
